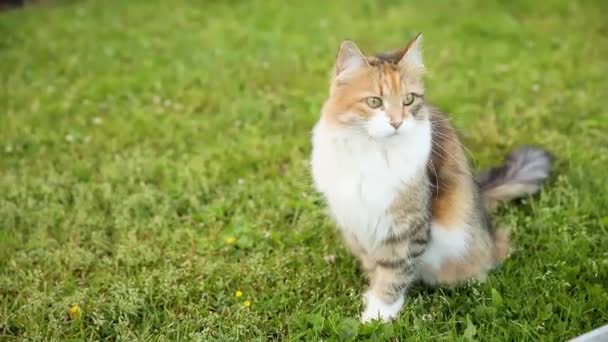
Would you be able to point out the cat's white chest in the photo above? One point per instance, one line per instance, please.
(360, 178)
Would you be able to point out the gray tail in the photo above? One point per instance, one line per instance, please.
(522, 173)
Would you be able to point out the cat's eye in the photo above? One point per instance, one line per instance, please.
(408, 99)
(374, 102)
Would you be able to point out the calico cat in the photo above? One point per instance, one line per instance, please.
(397, 182)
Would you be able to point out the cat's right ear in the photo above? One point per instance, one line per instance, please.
(350, 58)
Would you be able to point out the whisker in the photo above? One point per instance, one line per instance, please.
(434, 119)
(436, 185)
(453, 139)
(466, 169)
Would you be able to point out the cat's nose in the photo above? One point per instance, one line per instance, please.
(396, 124)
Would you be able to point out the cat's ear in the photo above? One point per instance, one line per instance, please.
(412, 57)
(350, 58)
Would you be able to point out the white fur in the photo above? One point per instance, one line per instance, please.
(413, 56)
(361, 168)
(377, 309)
(445, 244)
(352, 63)
(378, 126)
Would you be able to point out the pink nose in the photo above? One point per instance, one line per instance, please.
(396, 124)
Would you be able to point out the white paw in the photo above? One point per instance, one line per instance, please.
(377, 309)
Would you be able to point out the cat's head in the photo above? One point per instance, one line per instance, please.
(381, 96)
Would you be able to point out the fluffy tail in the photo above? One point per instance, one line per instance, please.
(521, 174)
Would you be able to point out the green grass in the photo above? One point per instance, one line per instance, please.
(137, 136)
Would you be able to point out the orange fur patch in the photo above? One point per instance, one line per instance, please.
(449, 171)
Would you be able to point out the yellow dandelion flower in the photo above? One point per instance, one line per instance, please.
(74, 311)
(247, 303)
(230, 240)
(238, 294)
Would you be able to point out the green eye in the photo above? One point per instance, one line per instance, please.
(374, 102)
(408, 99)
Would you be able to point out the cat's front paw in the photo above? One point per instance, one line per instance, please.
(375, 308)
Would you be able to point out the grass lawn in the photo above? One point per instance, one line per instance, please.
(153, 162)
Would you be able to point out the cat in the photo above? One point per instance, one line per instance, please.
(397, 182)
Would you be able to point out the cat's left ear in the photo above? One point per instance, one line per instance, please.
(412, 57)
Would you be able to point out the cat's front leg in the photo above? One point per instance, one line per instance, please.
(367, 263)
(386, 294)
(397, 262)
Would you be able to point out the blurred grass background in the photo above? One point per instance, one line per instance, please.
(153, 161)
